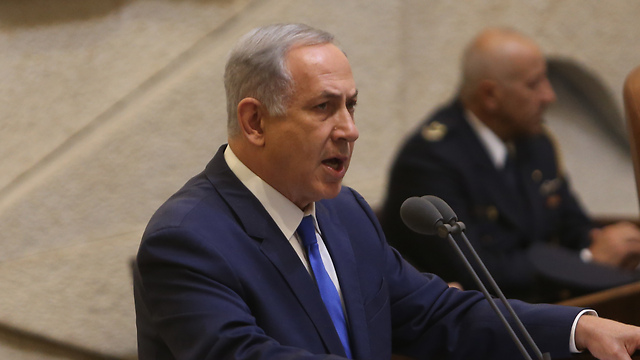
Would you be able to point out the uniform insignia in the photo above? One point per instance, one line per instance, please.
(492, 213)
(536, 175)
(489, 212)
(549, 187)
(553, 201)
(434, 131)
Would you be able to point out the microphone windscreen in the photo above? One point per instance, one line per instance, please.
(445, 210)
(420, 215)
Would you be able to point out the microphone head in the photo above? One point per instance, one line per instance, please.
(448, 215)
(420, 216)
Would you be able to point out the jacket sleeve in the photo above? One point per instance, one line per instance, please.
(431, 320)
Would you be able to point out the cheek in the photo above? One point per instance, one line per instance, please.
(524, 106)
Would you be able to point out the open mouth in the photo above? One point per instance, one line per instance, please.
(336, 164)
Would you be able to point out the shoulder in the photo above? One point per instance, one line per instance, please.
(193, 196)
(437, 140)
(351, 210)
(348, 202)
(197, 212)
(446, 125)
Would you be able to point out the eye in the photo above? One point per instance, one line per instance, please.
(351, 106)
(537, 82)
(533, 84)
(323, 106)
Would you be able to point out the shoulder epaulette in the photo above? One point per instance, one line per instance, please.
(434, 131)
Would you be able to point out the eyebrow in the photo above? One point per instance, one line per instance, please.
(331, 95)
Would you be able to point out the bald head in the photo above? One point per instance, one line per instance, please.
(504, 82)
(493, 54)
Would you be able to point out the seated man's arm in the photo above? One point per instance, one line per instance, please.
(616, 245)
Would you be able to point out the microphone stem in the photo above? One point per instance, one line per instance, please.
(496, 288)
(513, 335)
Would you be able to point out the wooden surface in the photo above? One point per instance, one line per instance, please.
(621, 303)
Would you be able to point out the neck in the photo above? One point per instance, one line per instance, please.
(247, 156)
(493, 123)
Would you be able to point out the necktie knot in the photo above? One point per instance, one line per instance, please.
(307, 231)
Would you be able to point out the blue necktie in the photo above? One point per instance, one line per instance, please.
(328, 292)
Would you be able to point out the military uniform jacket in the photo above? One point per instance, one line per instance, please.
(444, 157)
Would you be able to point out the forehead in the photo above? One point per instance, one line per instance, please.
(526, 63)
(320, 68)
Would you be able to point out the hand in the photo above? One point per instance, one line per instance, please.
(616, 245)
(607, 339)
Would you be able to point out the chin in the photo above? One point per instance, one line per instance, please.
(538, 130)
(332, 191)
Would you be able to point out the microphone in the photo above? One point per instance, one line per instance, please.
(422, 216)
(430, 215)
(448, 215)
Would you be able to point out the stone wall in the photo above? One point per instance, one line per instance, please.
(107, 107)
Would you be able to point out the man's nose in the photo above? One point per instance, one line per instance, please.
(346, 127)
(548, 96)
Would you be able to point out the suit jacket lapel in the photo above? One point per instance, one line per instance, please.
(282, 255)
(259, 225)
(343, 257)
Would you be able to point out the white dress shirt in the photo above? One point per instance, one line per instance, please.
(496, 148)
(285, 214)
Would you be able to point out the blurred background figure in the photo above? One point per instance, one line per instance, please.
(488, 154)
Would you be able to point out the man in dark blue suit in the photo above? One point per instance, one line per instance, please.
(222, 272)
(488, 155)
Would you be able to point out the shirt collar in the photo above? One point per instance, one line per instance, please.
(285, 213)
(496, 148)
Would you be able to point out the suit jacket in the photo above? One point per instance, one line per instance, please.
(444, 157)
(216, 279)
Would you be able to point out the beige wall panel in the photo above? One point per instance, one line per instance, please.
(63, 73)
(79, 296)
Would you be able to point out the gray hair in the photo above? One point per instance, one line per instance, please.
(257, 67)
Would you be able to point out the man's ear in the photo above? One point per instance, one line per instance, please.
(489, 94)
(250, 118)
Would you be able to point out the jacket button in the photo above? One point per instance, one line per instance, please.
(492, 213)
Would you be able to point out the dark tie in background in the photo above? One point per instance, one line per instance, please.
(328, 292)
(516, 187)
(510, 172)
